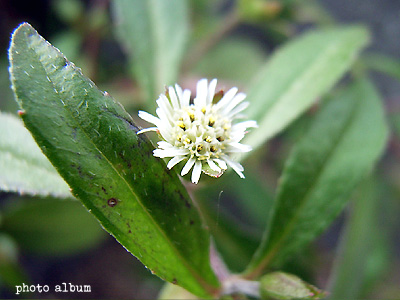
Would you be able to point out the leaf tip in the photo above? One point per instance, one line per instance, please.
(25, 26)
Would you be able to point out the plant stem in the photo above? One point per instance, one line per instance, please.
(238, 285)
(218, 264)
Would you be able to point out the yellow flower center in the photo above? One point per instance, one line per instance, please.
(202, 131)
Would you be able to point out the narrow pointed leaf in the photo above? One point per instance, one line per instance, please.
(339, 150)
(357, 244)
(93, 144)
(297, 75)
(385, 64)
(24, 168)
(154, 33)
(284, 286)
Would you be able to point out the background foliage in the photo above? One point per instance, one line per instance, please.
(47, 237)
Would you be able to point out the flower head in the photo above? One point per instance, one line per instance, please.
(203, 132)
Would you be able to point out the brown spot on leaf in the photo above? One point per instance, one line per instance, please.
(127, 161)
(112, 202)
(174, 281)
(187, 204)
(183, 198)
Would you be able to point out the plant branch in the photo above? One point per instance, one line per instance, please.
(236, 284)
(230, 21)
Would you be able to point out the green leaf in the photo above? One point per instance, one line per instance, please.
(356, 245)
(170, 291)
(93, 144)
(251, 202)
(52, 227)
(339, 149)
(253, 198)
(280, 285)
(297, 75)
(7, 102)
(236, 246)
(154, 34)
(363, 254)
(384, 64)
(394, 120)
(226, 60)
(68, 10)
(11, 272)
(23, 166)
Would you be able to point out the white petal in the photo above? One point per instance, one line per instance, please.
(165, 121)
(183, 96)
(147, 130)
(188, 166)
(244, 125)
(201, 93)
(162, 153)
(166, 101)
(179, 92)
(174, 161)
(196, 172)
(172, 96)
(213, 166)
(237, 137)
(185, 101)
(238, 168)
(165, 145)
(237, 109)
(149, 118)
(165, 105)
(165, 134)
(211, 91)
(237, 147)
(221, 163)
(164, 126)
(226, 98)
(235, 101)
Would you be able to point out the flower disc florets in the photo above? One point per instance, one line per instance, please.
(204, 133)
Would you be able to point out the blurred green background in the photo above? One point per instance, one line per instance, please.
(50, 241)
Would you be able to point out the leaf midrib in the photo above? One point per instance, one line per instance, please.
(163, 234)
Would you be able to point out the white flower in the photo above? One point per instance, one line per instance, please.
(203, 133)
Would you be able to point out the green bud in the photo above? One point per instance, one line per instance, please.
(171, 291)
(8, 249)
(69, 11)
(218, 96)
(259, 10)
(280, 285)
